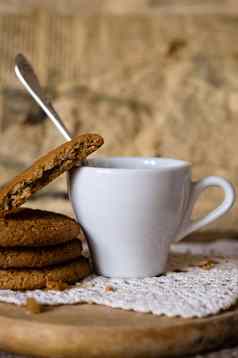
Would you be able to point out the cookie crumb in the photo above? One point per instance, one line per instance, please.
(32, 306)
(56, 285)
(207, 264)
(110, 289)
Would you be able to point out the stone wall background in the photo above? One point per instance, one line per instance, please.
(157, 80)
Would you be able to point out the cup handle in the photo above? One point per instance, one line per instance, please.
(188, 225)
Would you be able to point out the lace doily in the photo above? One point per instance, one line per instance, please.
(194, 286)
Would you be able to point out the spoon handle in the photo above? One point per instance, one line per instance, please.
(28, 78)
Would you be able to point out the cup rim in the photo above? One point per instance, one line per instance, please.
(173, 164)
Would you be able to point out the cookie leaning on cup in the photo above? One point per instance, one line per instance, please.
(46, 169)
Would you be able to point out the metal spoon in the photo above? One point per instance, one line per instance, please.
(28, 78)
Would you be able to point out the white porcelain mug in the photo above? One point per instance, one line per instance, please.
(133, 208)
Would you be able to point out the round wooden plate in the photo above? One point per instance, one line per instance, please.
(98, 331)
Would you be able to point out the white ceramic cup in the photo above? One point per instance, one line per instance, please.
(133, 208)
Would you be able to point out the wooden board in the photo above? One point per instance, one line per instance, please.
(97, 331)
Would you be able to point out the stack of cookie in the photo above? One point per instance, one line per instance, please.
(38, 248)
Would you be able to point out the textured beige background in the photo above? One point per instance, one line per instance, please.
(85, 7)
(151, 85)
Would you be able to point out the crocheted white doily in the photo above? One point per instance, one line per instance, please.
(194, 286)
